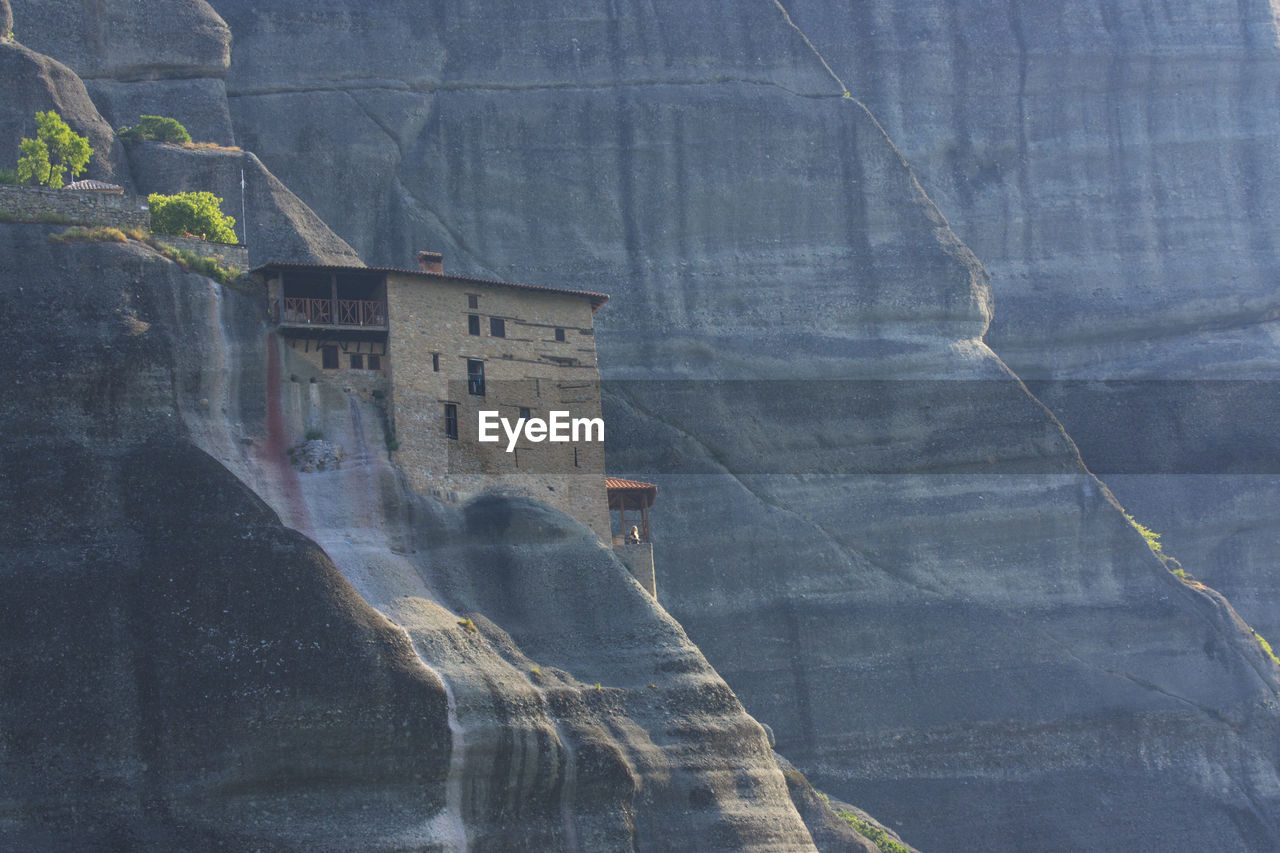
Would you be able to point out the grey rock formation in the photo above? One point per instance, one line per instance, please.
(33, 83)
(279, 226)
(937, 610)
(1112, 166)
(928, 637)
(127, 41)
(182, 671)
(139, 59)
(185, 672)
(830, 833)
(200, 104)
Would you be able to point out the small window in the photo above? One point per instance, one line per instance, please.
(473, 301)
(525, 413)
(451, 420)
(560, 335)
(435, 361)
(497, 327)
(375, 362)
(475, 377)
(329, 358)
(473, 324)
(357, 361)
(575, 457)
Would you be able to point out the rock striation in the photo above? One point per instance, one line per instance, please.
(889, 549)
(1111, 164)
(917, 585)
(185, 669)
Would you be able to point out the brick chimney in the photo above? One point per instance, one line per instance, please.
(431, 262)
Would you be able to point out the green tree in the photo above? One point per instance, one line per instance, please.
(198, 213)
(56, 150)
(159, 128)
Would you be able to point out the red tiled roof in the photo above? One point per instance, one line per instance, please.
(90, 184)
(619, 483)
(597, 299)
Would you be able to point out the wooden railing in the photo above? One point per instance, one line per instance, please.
(320, 312)
(361, 312)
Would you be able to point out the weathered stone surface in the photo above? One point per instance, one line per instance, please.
(279, 227)
(34, 83)
(929, 639)
(182, 671)
(1014, 650)
(199, 103)
(1112, 165)
(527, 696)
(127, 40)
(830, 833)
(6, 18)
(82, 207)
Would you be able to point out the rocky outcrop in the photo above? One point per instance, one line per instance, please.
(1112, 166)
(200, 104)
(182, 671)
(937, 609)
(138, 59)
(279, 227)
(185, 671)
(127, 41)
(34, 83)
(906, 573)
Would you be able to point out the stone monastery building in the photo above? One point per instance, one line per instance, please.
(440, 348)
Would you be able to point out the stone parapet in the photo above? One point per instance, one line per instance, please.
(74, 207)
(638, 558)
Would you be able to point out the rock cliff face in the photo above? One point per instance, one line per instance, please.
(184, 670)
(889, 549)
(279, 225)
(1112, 165)
(34, 83)
(138, 58)
(916, 584)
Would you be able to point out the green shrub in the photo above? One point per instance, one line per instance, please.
(314, 434)
(191, 262)
(1266, 647)
(877, 836)
(196, 213)
(80, 234)
(158, 128)
(9, 178)
(55, 151)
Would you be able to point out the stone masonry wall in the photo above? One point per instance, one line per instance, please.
(526, 368)
(366, 383)
(75, 207)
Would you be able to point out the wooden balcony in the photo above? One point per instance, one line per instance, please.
(340, 314)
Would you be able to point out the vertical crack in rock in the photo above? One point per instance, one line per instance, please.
(844, 90)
